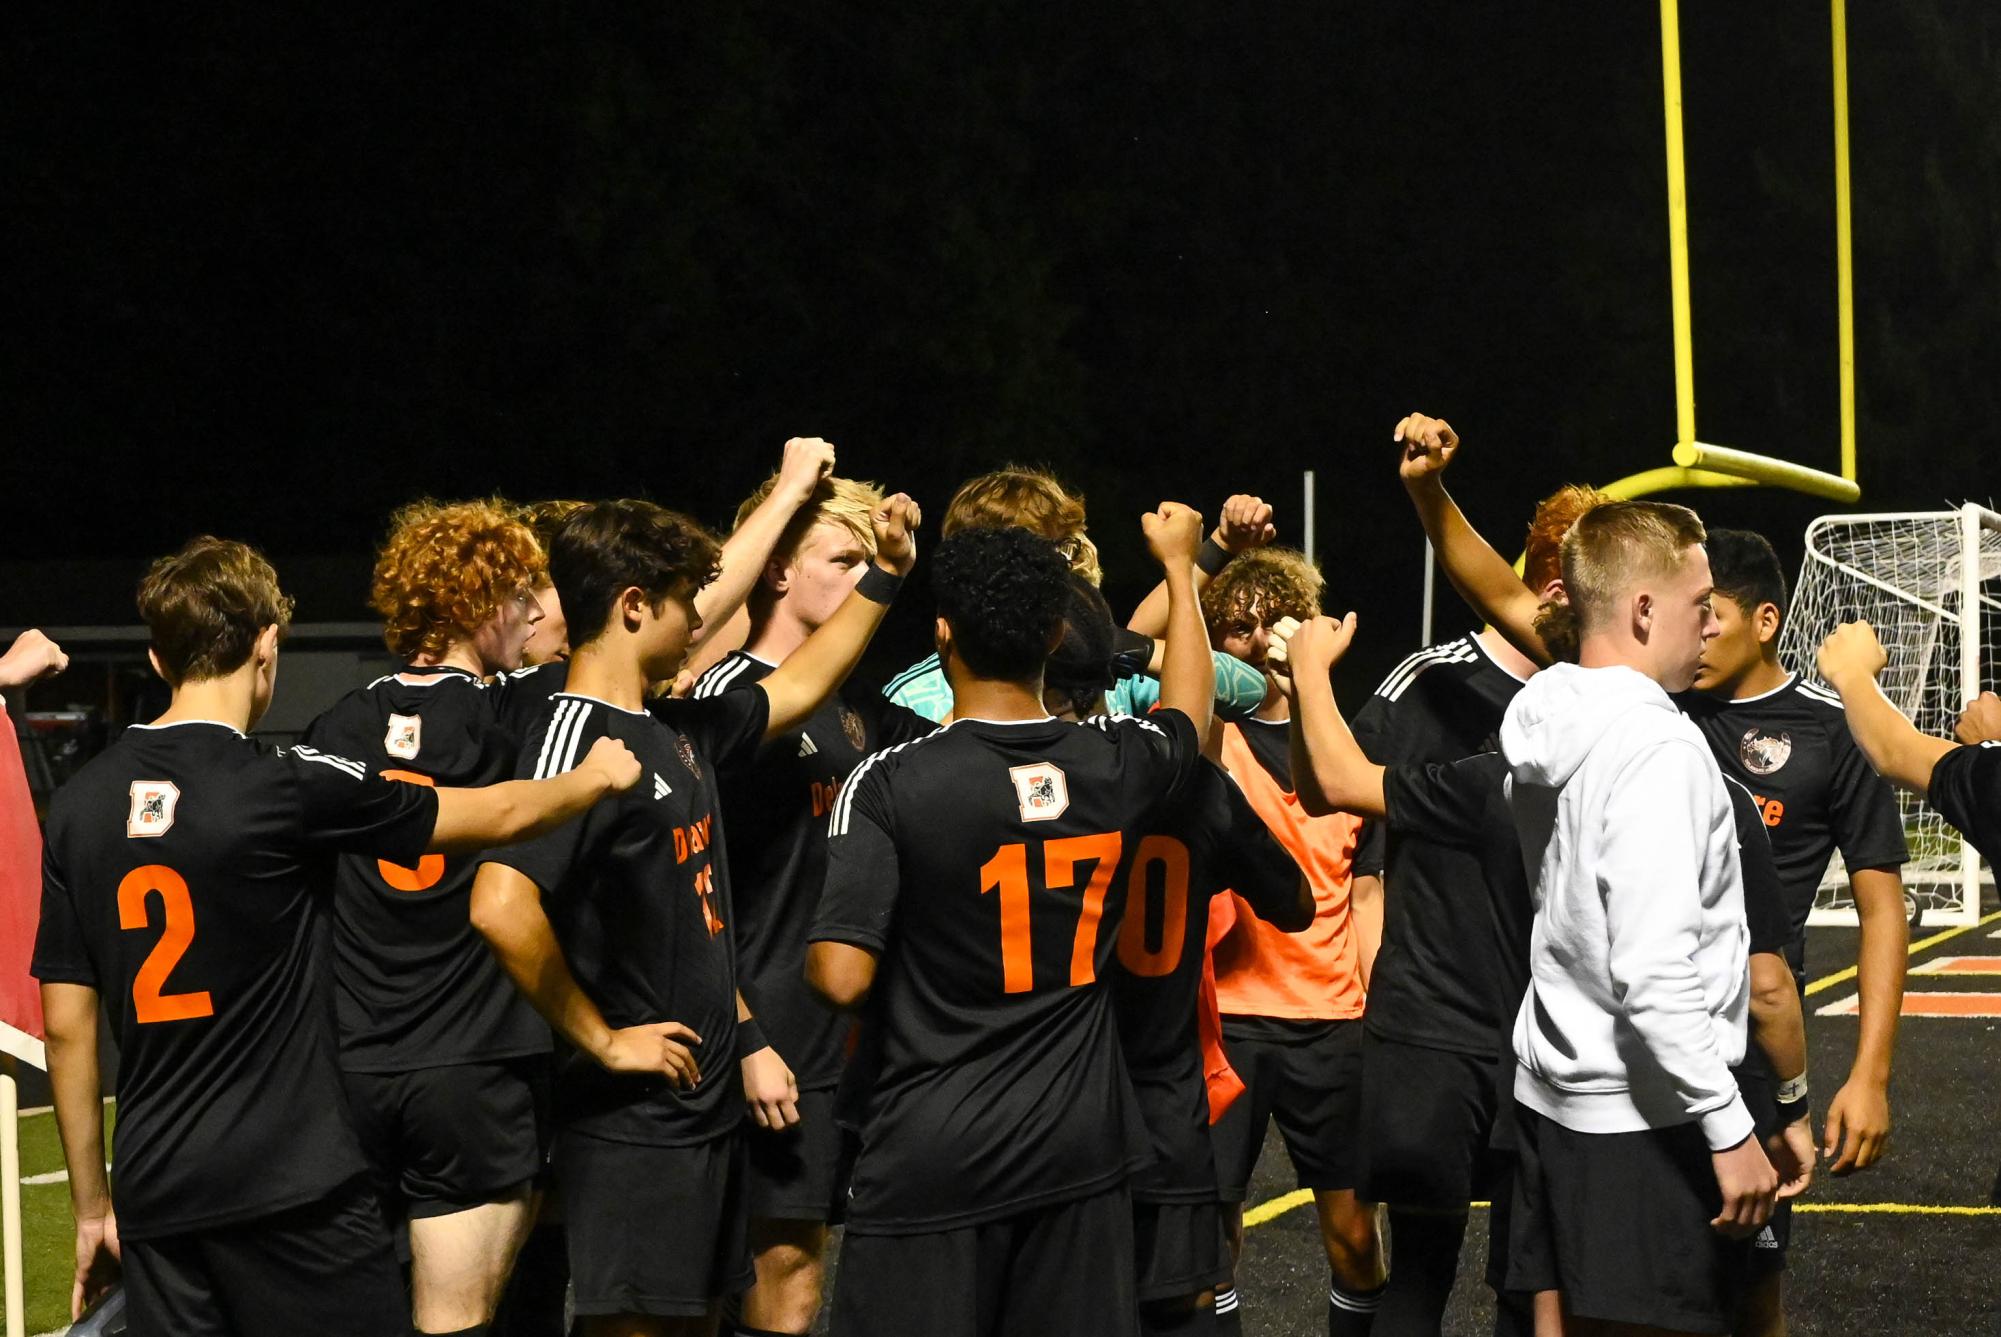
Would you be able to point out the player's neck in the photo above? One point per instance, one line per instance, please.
(1767, 675)
(1503, 653)
(774, 637)
(458, 654)
(1609, 651)
(1276, 707)
(990, 699)
(225, 700)
(609, 672)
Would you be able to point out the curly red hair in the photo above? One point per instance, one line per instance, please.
(449, 566)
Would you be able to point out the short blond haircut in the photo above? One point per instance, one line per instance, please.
(847, 502)
(1022, 498)
(1614, 546)
(1266, 584)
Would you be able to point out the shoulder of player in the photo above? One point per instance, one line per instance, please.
(734, 671)
(561, 731)
(876, 771)
(1458, 651)
(1823, 704)
(923, 668)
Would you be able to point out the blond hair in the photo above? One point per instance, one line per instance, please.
(1022, 498)
(1612, 547)
(1265, 583)
(847, 502)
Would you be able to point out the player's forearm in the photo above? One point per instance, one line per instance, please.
(816, 670)
(1880, 965)
(1187, 676)
(70, 1021)
(1365, 902)
(470, 820)
(1778, 1026)
(1483, 577)
(507, 912)
(1895, 748)
(1329, 768)
(744, 554)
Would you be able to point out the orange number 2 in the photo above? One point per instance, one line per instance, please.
(1007, 873)
(148, 1002)
(429, 868)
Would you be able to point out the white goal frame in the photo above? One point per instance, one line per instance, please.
(1945, 888)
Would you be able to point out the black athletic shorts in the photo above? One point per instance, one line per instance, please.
(321, 1270)
(1059, 1271)
(1619, 1222)
(448, 1138)
(793, 1170)
(1759, 1086)
(1308, 1076)
(1180, 1248)
(654, 1230)
(1427, 1119)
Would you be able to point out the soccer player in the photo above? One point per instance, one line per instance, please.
(1960, 779)
(1640, 1180)
(618, 927)
(777, 800)
(1214, 843)
(444, 1063)
(718, 604)
(1034, 500)
(1463, 806)
(181, 888)
(1787, 741)
(1441, 994)
(1292, 1002)
(975, 882)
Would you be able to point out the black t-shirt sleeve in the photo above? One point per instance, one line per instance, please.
(858, 899)
(727, 728)
(1439, 801)
(343, 807)
(547, 859)
(60, 954)
(898, 724)
(1163, 748)
(1867, 825)
(1261, 871)
(1764, 895)
(1966, 789)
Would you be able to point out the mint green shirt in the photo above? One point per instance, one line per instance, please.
(1240, 689)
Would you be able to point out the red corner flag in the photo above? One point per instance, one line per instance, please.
(20, 904)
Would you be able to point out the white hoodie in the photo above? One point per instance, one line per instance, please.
(1638, 980)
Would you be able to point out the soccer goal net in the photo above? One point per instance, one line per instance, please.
(1930, 583)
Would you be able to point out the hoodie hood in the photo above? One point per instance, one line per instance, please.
(1565, 711)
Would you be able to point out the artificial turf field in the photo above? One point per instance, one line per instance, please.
(1911, 1246)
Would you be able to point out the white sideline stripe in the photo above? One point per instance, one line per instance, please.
(52, 1177)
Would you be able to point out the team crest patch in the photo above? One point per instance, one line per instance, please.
(686, 750)
(1763, 752)
(405, 737)
(1041, 791)
(153, 804)
(852, 726)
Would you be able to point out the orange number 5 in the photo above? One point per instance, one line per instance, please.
(147, 1001)
(429, 868)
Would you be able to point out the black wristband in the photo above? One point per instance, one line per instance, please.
(879, 586)
(750, 1037)
(1212, 558)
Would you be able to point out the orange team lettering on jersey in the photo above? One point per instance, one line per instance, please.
(1315, 974)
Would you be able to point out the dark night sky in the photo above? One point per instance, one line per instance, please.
(273, 273)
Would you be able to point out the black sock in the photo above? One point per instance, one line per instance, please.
(532, 1304)
(1351, 1313)
(1427, 1253)
(1229, 1313)
(1176, 1318)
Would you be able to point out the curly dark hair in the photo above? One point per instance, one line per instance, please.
(1003, 592)
(611, 546)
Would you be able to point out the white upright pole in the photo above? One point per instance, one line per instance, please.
(1969, 680)
(10, 1197)
(1430, 591)
(1306, 532)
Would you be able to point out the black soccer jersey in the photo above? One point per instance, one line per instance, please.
(1792, 749)
(778, 799)
(182, 880)
(415, 986)
(1966, 790)
(987, 866)
(638, 892)
(522, 697)
(1213, 841)
(1437, 971)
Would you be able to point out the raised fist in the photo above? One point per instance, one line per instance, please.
(1428, 447)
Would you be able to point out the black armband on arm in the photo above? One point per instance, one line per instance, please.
(879, 586)
(1212, 558)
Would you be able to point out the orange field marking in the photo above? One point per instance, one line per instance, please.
(1927, 1005)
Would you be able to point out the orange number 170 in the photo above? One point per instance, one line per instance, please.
(1007, 873)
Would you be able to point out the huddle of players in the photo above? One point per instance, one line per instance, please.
(1031, 1143)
